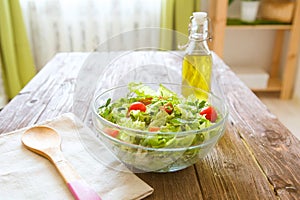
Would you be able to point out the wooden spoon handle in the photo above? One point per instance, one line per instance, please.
(77, 186)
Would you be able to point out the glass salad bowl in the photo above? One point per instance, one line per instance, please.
(153, 127)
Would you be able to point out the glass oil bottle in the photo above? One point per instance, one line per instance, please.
(197, 61)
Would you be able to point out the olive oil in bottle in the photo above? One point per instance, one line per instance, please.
(196, 71)
(197, 61)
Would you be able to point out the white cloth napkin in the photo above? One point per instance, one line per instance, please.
(26, 175)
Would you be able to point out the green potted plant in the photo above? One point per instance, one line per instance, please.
(249, 10)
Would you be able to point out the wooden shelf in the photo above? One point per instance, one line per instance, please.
(259, 27)
(274, 85)
(258, 24)
(281, 81)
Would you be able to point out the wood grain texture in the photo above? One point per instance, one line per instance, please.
(49, 94)
(257, 158)
(176, 185)
(233, 172)
(271, 144)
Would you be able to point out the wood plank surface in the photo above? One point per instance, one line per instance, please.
(47, 95)
(257, 158)
(176, 185)
(271, 144)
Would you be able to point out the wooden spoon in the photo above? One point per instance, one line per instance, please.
(46, 142)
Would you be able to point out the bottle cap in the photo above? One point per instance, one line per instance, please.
(199, 17)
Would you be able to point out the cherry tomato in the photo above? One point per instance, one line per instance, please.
(210, 114)
(111, 132)
(168, 107)
(137, 106)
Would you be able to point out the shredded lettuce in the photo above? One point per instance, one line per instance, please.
(141, 89)
(165, 112)
(184, 115)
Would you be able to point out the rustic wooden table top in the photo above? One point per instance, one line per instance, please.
(257, 158)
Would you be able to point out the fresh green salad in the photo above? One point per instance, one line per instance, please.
(158, 114)
(157, 111)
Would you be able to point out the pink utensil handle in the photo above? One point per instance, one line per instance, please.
(77, 186)
(81, 191)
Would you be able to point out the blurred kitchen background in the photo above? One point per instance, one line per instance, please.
(80, 25)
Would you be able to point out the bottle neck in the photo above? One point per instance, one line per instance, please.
(198, 36)
(199, 29)
(197, 47)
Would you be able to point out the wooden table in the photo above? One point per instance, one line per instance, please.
(257, 158)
